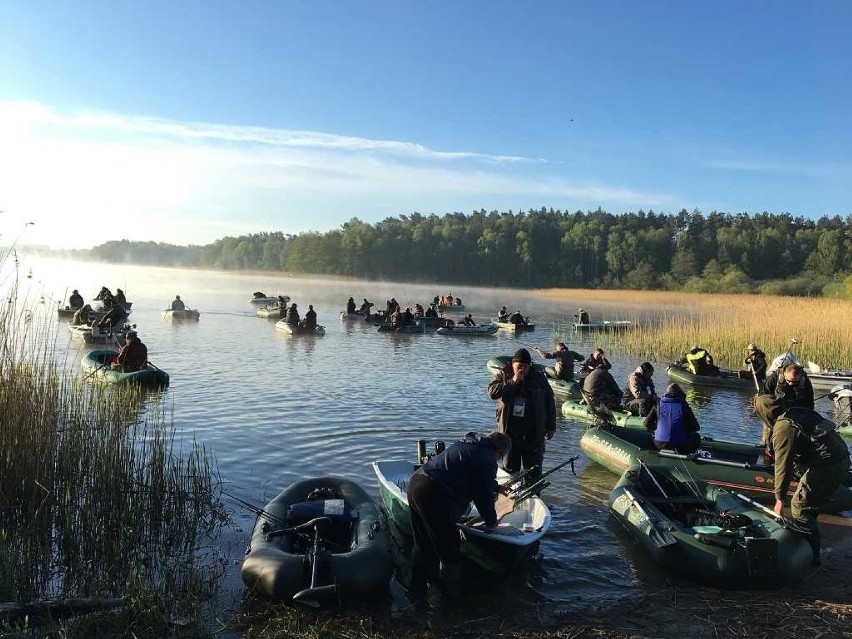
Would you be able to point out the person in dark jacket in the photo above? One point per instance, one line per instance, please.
(525, 411)
(133, 356)
(310, 321)
(582, 316)
(640, 394)
(439, 493)
(807, 446)
(293, 314)
(178, 304)
(792, 387)
(75, 300)
(516, 318)
(119, 297)
(593, 360)
(755, 363)
(564, 365)
(601, 391)
(350, 305)
(365, 307)
(673, 423)
(113, 317)
(82, 315)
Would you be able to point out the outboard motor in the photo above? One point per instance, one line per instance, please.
(842, 396)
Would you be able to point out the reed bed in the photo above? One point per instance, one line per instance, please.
(668, 324)
(98, 499)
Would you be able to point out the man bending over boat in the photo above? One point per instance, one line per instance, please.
(673, 423)
(699, 361)
(439, 493)
(791, 387)
(133, 356)
(525, 412)
(564, 366)
(806, 445)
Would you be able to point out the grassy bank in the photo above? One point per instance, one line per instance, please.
(98, 500)
(670, 323)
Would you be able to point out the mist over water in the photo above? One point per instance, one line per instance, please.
(273, 408)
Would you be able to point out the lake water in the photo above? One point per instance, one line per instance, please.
(274, 408)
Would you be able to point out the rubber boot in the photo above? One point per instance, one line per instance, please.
(815, 541)
(451, 579)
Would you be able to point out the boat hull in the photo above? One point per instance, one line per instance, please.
(496, 553)
(618, 325)
(187, 314)
(572, 409)
(725, 379)
(562, 390)
(417, 327)
(729, 465)
(486, 329)
(680, 530)
(276, 568)
(296, 330)
(509, 326)
(270, 313)
(95, 367)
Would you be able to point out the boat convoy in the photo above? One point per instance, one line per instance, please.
(324, 540)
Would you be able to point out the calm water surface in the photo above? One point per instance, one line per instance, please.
(273, 408)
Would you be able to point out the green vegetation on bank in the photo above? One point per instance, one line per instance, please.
(718, 252)
(99, 500)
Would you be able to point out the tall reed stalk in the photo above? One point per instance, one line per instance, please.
(668, 324)
(97, 496)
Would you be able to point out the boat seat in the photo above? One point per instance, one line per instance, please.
(336, 510)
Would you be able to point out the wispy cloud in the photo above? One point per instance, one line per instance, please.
(89, 177)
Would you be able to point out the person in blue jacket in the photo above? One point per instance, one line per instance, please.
(439, 493)
(673, 423)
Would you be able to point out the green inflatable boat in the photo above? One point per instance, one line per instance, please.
(572, 409)
(706, 533)
(725, 379)
(734, 466)
(95, 366)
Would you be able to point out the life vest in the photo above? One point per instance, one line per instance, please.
(670, 421)
(694, 361)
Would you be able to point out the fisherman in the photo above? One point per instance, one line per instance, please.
(563, 367)
(525, 411)
(640, 395)
(293, 315)
(82, 315)
(432, 311)
(806, 446)
(133, 356)
(673, 423)
(310, 321)
(418, 310)
(594, 359)
(503, 315)
(516, 318)
(75, 300)
(350, 305)
(468, 320)
(601, 391)
(582, 316)
(177, 304)
(755, 363)
(113, 317)
(258, 294)
(791, 387)
(699, 361)
(365, 307)
(439, 493)
(119, 297)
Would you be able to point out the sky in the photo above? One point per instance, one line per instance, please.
(184, 122)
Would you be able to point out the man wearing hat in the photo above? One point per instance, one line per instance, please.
(755, 363)
(525, 412)
(133, 356)
(808, 447)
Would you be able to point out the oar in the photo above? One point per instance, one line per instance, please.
(94, 371)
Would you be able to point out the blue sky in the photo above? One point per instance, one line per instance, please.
(187, 121)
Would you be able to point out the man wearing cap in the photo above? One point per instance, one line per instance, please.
(640, 395)
(133, 356)
(787, 387)
(806, 446)
(525, 412)
(755, 363)
(699, 361)
(438, 493)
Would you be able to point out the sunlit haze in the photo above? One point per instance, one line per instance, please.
(186, 123)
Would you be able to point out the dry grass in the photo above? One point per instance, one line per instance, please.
(670, 323)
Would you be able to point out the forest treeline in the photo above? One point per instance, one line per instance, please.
(717, 252)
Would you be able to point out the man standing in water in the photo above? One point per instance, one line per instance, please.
(525, 412)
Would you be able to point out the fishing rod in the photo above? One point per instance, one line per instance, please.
(781, 519)
(539, 484)
(260, 512)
